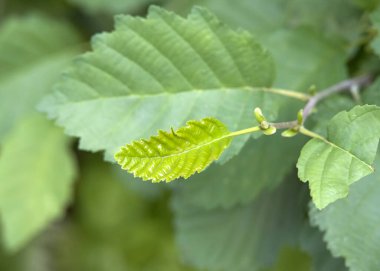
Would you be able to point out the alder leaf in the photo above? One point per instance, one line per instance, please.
(243, 238)
(159, 72)
(351, 225)
(175, 154)
(34, 49)
(331, 165)
(36, 173)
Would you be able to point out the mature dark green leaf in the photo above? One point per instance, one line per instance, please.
(243, 237)
(36, 173)
(331, 165)
(33, 51)
(351, 225)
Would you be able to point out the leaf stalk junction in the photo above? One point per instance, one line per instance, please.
(294, 127)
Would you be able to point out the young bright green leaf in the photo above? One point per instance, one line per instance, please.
(33, 49)
(243, 238)
(158, 72)
(331, 165)
(181, 153)
(351, 225)
(36, 173)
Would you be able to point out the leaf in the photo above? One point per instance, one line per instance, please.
(331, 165)
(181, 153)
(372, 94)
(351, 225)
(304, 58)
(36, 173)
(159, 72)
(311, 241)
(375, 19)
(260, 166)
(113, 228)
(245, 237)
(110, 6)
(337, 20)
(33, 49)
(327, 109)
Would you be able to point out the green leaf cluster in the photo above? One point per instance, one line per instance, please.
(165, 94)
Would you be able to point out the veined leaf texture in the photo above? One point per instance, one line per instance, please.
(175, 154)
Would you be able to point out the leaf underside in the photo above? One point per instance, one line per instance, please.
(161, 71)
(332, 165)
(172, 155)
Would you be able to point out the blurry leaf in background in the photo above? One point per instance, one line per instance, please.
(337, 20)
(111, 6)
(159, 72)
(36, 174)
(242, 238)
(261, 165)
(113, 228)
(375, 19)
(304, 58)
(34, 49)
(351, 225)
(372, 94)
(311, 241)
(292, 259)
(367, 4)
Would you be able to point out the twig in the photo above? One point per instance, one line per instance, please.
(342, 86)
(359, 82)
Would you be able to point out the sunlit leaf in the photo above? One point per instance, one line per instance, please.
(331, 165)
(181, 153)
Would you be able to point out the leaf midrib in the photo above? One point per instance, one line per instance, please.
(346, 152)
(179, 153)
(282, 92)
